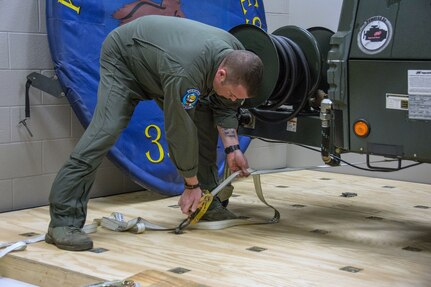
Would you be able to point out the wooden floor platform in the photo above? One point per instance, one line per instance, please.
(381, 237)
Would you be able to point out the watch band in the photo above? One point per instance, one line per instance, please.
(231, 148)
(191, 186)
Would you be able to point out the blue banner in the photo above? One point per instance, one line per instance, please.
(76, 30)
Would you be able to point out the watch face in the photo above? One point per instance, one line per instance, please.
(76, 31)
(374, 35)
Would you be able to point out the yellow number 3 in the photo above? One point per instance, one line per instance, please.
(156, 142)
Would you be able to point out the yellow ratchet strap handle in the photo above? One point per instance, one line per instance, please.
(204, 203)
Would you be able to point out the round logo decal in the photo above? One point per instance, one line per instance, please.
(190, 98)
(375, 35)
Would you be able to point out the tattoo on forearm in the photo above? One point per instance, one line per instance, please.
(229, 133)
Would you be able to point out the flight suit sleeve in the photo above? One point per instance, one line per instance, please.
(181, 132)
(225, 112)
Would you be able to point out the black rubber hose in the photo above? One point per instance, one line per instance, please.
(287, 77)
(301, 87)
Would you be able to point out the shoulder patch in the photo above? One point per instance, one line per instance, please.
(190, 98)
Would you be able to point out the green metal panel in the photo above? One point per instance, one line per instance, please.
(413, 31)
(407, 25)
(307, 131)
(338, 63)
(359, 79)
(370, 83)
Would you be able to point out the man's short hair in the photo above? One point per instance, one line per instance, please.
(245, 68)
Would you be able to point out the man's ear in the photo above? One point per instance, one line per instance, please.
(221, 74)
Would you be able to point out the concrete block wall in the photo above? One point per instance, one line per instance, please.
(28, 165)
(277, 13)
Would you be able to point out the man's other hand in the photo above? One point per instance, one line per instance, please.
(237, 161)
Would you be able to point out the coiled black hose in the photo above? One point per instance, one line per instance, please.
(294, 85)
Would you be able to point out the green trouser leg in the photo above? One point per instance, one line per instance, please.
(208, 139)
(116, 102)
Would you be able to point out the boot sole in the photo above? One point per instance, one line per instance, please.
(50, 240)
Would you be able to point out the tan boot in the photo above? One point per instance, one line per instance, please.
(68, 238)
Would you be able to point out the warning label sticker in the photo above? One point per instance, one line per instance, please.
(397, 102)
(291, 125)
(420, 107)
(419, 89)
(419, 82)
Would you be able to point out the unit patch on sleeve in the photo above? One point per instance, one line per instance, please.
(190, 98)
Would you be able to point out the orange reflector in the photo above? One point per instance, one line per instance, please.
(361, 128)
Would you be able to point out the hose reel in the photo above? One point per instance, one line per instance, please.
(293, 61)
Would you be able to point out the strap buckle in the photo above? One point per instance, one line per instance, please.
(204, 202)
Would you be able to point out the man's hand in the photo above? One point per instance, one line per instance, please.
(237, 161)
(189, 200)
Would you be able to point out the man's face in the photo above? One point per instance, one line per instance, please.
(226, 90)
(230, 91)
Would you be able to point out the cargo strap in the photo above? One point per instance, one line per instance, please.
(138, 225)
(116, 222)
(19, 245)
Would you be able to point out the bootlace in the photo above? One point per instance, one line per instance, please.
(74, 229)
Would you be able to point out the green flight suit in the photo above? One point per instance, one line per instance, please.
(167, 59)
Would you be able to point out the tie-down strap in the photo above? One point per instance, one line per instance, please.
(116, 220)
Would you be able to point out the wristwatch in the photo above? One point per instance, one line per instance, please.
(191, 186)
(231, 148)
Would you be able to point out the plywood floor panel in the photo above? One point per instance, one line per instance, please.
(294, 255)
